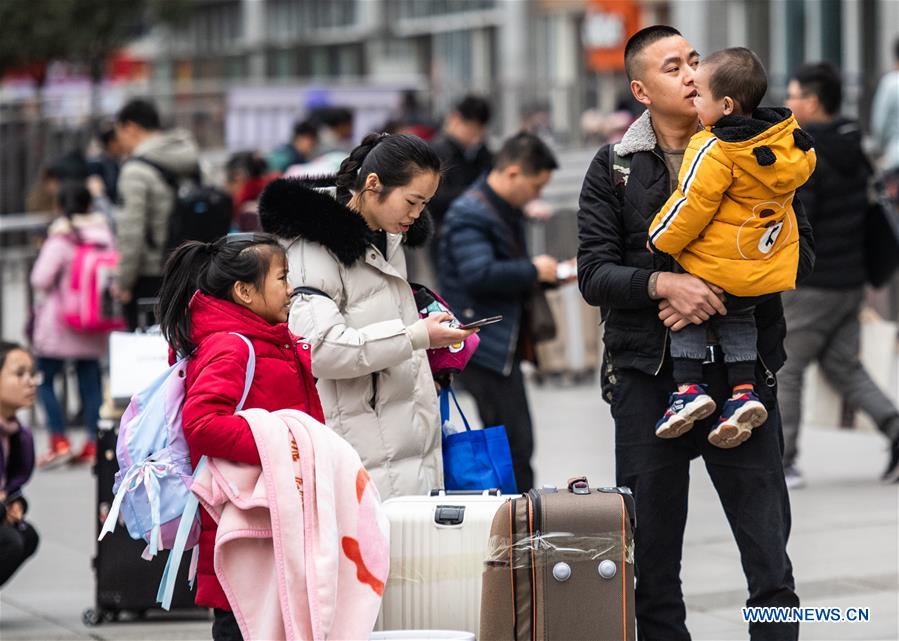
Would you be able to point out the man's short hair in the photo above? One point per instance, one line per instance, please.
(336, 116)
(473, 109)
(528, 152)
(106, 135)
(821, 79)
(141, 112)
(305, 128)
(639, 41)
(737, 72)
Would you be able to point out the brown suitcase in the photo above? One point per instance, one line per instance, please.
(561, 567)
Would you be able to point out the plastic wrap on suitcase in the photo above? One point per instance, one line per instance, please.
(561, 566)
(554, 547)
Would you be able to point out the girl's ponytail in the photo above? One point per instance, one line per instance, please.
(179, 282)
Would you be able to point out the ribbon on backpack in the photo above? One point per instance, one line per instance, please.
(147, 474)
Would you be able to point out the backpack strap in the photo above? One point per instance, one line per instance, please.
(251, 371)
(619, 170)
(188, 516)
(172, 180)
(309, 291)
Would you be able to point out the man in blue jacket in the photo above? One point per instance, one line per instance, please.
(485, 270)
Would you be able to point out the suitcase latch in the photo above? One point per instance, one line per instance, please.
(449, 514)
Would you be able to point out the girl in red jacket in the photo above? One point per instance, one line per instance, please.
(209, 290)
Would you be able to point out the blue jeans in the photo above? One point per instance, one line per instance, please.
(89, 388)
(736, 334)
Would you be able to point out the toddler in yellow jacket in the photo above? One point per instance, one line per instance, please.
(731, 222)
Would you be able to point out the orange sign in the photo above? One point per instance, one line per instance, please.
(607, 26)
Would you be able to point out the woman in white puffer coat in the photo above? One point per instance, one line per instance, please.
(345, 237)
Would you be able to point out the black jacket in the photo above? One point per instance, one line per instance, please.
(835, 200)
(614, 265)
(485, 271)
(460, 170)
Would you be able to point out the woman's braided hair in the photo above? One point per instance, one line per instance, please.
(396, 159)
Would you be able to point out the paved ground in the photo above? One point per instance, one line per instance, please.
(844, 542)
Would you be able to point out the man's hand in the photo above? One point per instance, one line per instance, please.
(121, 295)
(689, 299)
(546, 268)
(670, 317)
(538, 210)
(14, 512)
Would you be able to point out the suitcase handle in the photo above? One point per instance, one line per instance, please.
(442, 492)
(579, 485)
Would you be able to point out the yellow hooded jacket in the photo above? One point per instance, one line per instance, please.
(731, 221)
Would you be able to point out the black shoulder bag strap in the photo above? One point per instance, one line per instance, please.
(171, 179)
(309, 291)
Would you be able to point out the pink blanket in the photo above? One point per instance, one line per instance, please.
(302, 549)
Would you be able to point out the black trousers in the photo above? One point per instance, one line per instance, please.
(17, 543)
(144, 287)
(224, 626)
(750, 484)
(502, 400)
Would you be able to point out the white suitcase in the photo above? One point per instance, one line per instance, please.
(438, 545)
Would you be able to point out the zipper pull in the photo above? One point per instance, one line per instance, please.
(770, 381)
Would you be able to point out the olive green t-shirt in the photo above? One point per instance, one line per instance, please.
(673, 160)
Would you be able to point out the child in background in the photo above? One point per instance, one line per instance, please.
(18, 388)
(54, 341)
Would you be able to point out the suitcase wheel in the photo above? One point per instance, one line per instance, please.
(91, 617)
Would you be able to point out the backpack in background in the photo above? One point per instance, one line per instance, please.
(200, 212)
(152, 486)
(87, 301)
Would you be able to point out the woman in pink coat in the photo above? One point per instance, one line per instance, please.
(54, 341)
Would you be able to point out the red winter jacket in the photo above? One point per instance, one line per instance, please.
(215, 381)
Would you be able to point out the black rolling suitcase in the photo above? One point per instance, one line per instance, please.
(125, 582)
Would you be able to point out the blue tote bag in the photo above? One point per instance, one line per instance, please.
(475, 459)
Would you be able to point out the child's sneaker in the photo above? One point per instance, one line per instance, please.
(684, 409)
(60, 453)
(739, 417)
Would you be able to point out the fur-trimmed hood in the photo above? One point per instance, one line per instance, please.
(308, 208)
(640, 136)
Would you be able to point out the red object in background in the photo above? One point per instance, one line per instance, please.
(607, 27)
(246, 216)
(29, 72)
(122, 66)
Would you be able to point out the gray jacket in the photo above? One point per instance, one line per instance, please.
(146, 201)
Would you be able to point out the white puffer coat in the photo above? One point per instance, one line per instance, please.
(368, 344)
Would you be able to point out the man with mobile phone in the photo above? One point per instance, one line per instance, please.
(485, 271)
